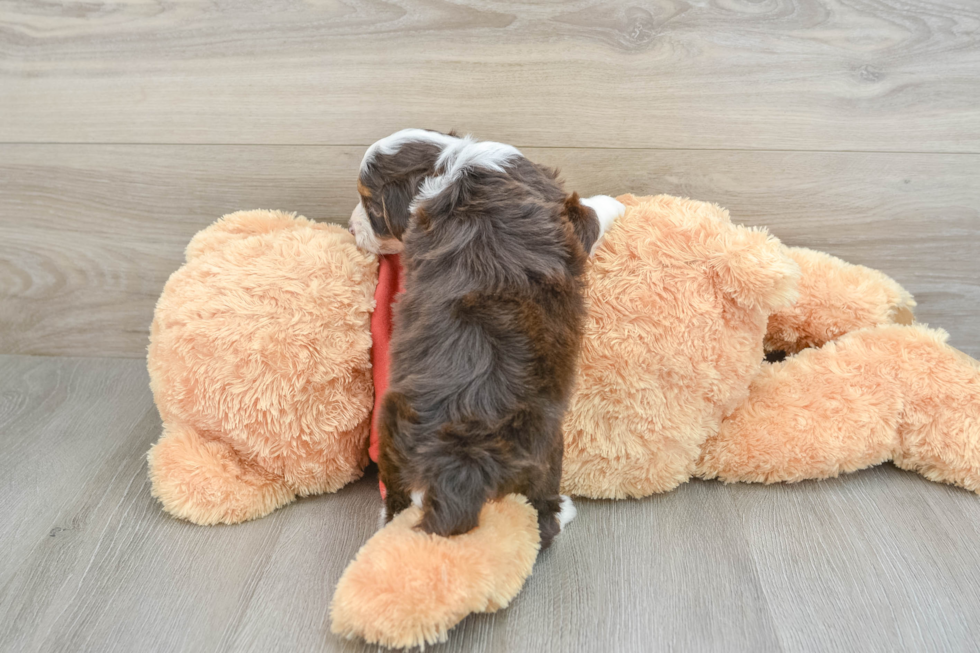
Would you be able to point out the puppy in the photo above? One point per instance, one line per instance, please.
(488, 330)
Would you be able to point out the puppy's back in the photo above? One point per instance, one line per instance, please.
(486, 338)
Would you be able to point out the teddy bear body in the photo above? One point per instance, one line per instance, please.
(260, 364)
(679, 299)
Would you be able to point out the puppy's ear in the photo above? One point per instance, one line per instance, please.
(584, 221)
(395, 199)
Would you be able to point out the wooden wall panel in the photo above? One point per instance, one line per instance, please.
(90, 233)
(883, 75)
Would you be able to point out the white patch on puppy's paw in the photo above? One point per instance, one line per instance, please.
(567, 512)
(417, 498)
(608, 210)
(381, 517)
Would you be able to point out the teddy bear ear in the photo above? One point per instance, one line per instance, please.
(238, 225)
(752, 267)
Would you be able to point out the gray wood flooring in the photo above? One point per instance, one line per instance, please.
(851, 126)
(881, 560)
(746, 74)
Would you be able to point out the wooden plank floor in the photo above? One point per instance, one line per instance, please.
(851, 126)
(881, 560)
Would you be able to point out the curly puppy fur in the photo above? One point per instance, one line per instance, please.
(488, 330)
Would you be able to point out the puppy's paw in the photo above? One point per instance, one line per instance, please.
(608, 210)
(418, 496)
(567, 512)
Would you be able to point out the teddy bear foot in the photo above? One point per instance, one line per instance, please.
(407, 588)
(206, 482)
(882, 393)
(940, 420)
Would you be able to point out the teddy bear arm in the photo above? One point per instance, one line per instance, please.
(752, 267)
(835, 297)
(206, 482)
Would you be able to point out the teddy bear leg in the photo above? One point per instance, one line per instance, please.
(205, 481)
(815, 415)
(940, 427)
(835, 297)
(407, 588)
(886, 393)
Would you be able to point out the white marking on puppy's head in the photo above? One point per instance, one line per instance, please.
(465, 154)
(391, 144)
(367, 239)
(607, 210)
(567, 512)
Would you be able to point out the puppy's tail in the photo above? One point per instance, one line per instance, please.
(467, 470)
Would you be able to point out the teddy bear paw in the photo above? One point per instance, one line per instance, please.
(206, 482)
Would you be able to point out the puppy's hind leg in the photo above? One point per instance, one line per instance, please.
(396, 497)
(395, 412)
(554, 510)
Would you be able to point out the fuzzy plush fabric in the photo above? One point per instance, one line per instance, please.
(672, 384)
(407, 588)
(679, 299)
(835, 298)
(880, 393)
(259, 365)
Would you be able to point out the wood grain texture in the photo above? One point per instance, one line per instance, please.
(90, 233)
(48, 413)
(881, 560)
(872, 561)
(850, 126)
(883, 75)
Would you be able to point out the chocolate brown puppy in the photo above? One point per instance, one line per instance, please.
(487, 333)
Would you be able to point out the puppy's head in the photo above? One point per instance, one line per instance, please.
(391, 173)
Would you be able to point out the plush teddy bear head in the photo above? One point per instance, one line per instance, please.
(259, 363)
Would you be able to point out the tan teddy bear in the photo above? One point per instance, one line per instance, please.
(260, 365)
